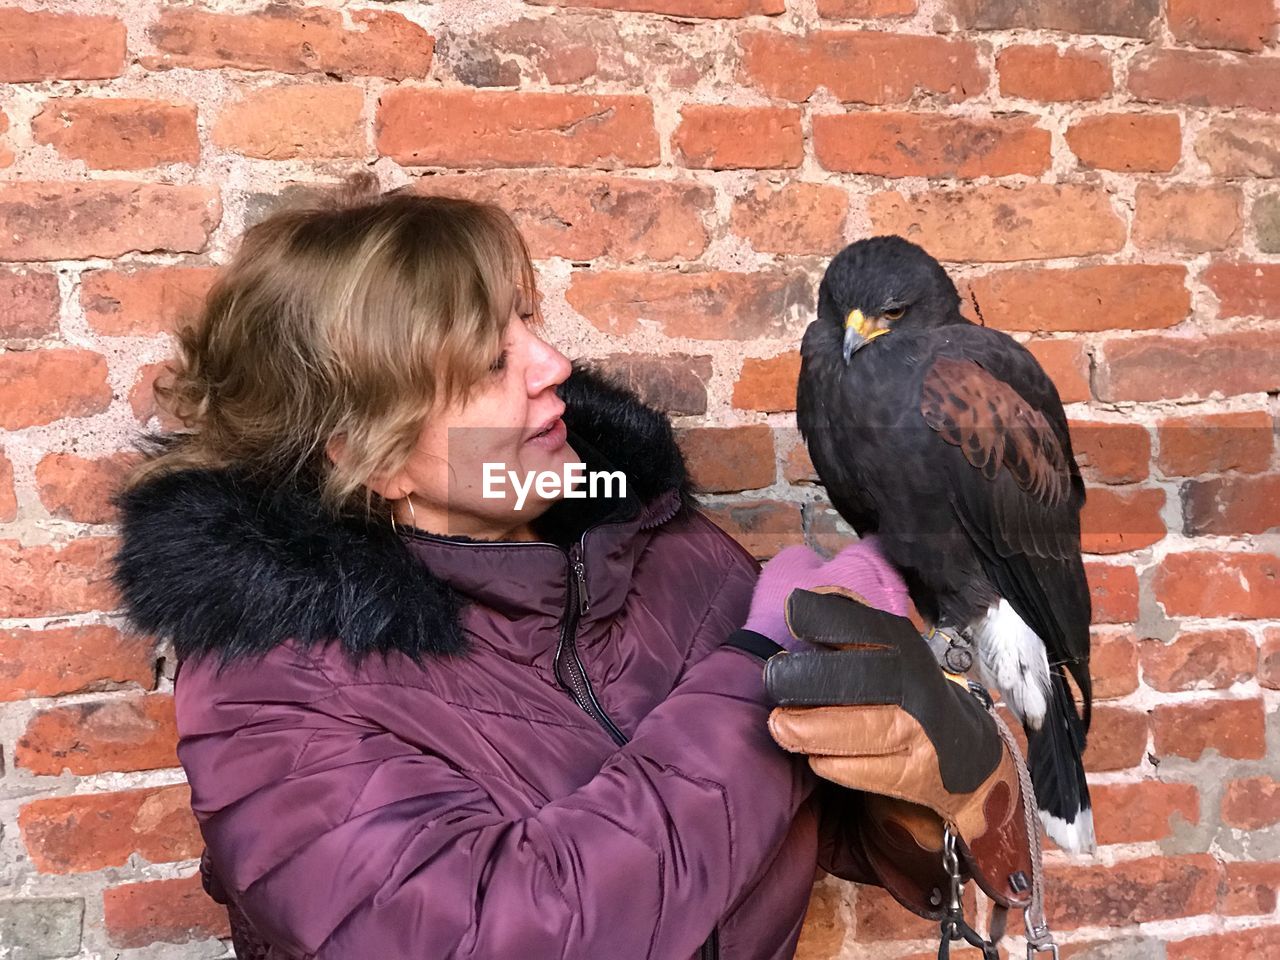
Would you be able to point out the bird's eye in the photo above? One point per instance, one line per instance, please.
(894, 314)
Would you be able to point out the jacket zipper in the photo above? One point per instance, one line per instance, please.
(568, 667)
(571, 675)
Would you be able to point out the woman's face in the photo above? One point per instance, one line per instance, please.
(511, 423)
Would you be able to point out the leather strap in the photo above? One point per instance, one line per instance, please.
(753, 643)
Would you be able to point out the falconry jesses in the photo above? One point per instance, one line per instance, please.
(949, 441)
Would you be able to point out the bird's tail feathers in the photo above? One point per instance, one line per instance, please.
(1055, 756)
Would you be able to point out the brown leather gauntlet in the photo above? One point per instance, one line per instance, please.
(874, 712)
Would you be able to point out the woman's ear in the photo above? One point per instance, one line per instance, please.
(389, 486)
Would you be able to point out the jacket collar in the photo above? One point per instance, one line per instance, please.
(220, 563)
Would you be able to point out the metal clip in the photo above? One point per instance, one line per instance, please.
(954, 926)
(1036, 942)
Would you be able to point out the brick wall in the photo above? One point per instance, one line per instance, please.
(1100, 175)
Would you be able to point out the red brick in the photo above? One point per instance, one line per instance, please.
(1256, 944)
(1239, 586)
(1116, 521)
(768, 384)
(41, 386)
(1132, 891)
(31, 303)
(169, 911)
(1187, 219)
(79, 488)
(1168, 367)
(36, 46)
(1242, 25)
(1113, 663)
(463, 128)
(569, 49)
(719, 9)
(793, 218)
(1249, 889)
(729, 459)
(1067, 365)
(1133, 296)
(865, 9)
(675, 383)
(1117, 738)
(1251, 803)
(61, 660)
(284, 123)
(1241, 147)
(1215, 443)
(1148, 142)
(1111, 452)
(45, 581)
(587, 216)
(1131, 18)
(861, 66)
(1199, 660)
(1032, 222)
(798, 467)
(1269, 659)
(8, 495)
(1231, 505)
(6, 155)
(288, 39)
(142, 398)
(92, 831)
(825, 928)
(733, 138)
(1245, 289)
(1115, 592)
(119, 133)
(1235, 728)
(144, 300)
(103, 218)
(1142, 812)
(1042, 72)
(709, 305)
(763, 527)
(134, 733)
(929, 145)
(1206, 79)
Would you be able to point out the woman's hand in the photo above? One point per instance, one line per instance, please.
(859, 568)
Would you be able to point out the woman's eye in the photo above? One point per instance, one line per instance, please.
(895, 314)
(499, 364)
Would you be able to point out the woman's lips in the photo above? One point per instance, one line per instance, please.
(552, 439)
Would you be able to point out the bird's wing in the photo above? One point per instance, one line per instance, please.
(1015, 485)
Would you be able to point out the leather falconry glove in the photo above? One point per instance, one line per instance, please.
(875, 713)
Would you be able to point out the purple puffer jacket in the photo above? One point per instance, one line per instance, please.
(413, 746)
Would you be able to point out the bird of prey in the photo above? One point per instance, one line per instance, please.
(948, 441)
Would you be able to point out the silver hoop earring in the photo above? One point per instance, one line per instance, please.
(413, 519)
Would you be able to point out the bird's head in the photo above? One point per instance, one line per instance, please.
(881, 284)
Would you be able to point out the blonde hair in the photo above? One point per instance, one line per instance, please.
(348, 317)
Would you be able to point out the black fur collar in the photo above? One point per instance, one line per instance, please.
(221, 564)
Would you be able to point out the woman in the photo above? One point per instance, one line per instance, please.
(422, 721)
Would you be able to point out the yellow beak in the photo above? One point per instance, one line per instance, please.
(859, 330)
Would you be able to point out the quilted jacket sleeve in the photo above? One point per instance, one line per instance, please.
(339, 840)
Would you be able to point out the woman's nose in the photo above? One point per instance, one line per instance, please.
(550, 368)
